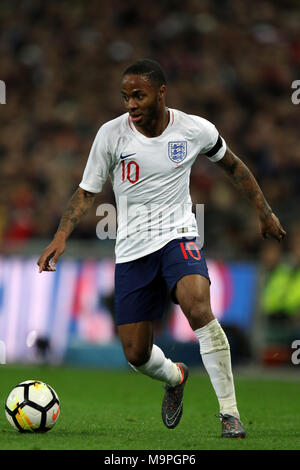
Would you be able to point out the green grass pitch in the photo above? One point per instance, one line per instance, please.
(102, 410)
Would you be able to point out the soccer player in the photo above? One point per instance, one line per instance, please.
(148, 153)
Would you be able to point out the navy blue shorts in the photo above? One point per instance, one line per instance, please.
(142, 286)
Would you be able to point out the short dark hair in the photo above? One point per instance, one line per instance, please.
(148, 67)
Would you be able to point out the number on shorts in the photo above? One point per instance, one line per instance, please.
(192, 249)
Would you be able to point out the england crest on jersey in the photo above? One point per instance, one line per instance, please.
(177, 151)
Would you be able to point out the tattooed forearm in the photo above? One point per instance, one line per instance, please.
(244, 181)
(78, 206)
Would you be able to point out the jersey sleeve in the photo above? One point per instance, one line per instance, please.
(98, 164)
(214, 145)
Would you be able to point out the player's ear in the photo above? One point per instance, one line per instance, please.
(162, 91)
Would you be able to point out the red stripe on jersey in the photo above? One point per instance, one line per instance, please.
(172, 119)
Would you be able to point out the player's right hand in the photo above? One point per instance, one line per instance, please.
(52, 252)
(271, 228)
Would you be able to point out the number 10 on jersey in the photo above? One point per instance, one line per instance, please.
(130, 171)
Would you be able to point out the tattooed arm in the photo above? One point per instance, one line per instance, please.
(244, 181)
(77, 207)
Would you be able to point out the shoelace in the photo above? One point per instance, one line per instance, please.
(177, 402)
(225, 420)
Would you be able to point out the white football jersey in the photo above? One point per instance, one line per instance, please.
(150, 178)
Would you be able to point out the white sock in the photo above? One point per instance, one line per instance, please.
(215, 353)
(160, 368)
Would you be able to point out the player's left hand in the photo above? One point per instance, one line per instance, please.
(271, 228)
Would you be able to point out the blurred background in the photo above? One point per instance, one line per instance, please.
(61, 62)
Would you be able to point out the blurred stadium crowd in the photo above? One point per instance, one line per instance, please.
(229, 62)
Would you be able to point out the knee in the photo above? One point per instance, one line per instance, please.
(199, 313)
(137, 356)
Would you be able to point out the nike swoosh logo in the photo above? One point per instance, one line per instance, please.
(55, 415)
(125, 156)
(171, 419)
